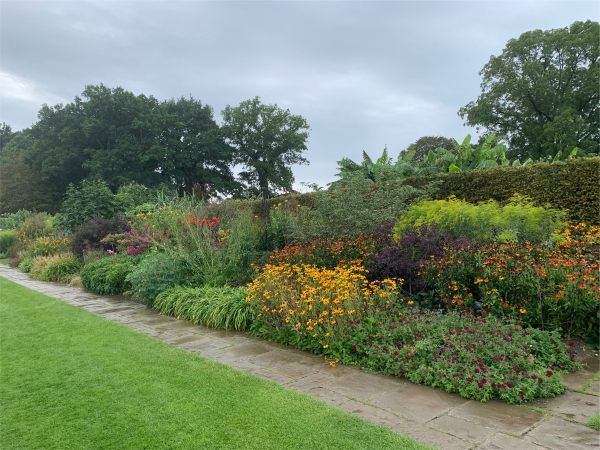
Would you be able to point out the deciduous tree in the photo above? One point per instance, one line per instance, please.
(267, 140)
(542, 92)
(193, 152)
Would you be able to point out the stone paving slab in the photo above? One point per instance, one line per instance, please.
(429, 415)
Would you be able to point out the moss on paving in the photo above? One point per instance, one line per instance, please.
(70, 379)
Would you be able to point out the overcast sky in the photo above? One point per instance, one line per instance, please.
(364, 74)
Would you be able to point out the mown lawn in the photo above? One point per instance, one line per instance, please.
(70, 379)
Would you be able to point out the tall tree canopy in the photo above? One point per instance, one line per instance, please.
(542, 93)
(425, 144)
(267, 141)
(20, 185)
(6, 134)
(121, 137)
(194, 156)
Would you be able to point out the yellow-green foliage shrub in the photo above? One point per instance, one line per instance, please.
(517, 221)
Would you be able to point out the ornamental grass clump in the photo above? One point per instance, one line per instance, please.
(312, 308)
(215, 307)
(56, 268)
(217, 253)
(25, 262)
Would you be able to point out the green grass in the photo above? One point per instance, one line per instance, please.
(594, 421)
(4, 261)
(69, 379)
(590, 382)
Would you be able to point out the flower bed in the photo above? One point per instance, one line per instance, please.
(312, 308)
(481, 358)
(339, 313)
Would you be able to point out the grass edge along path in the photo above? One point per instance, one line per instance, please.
(69, 379)
(594, 421)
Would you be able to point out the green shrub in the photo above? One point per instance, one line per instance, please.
(7, 240)
(594, 421)
(132, 195)
(90, 234)
(57, 268)
(156, 273)
(284, 219)
(517, 221)
(216, 307)
(108, 275)
(570, 185)
(25, 263)
(92, 198)
(359, 207)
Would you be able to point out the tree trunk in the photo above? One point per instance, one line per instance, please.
(264, 207)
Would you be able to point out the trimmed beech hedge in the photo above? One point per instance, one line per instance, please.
(572, 185)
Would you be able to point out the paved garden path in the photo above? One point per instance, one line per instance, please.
(442, 420)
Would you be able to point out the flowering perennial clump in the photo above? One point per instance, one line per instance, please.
(132, 242)
(477, 357)
(47, 245)
(327, 252)
(547, 287)
(312, 307)
(200, 221)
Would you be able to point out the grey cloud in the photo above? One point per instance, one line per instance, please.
(365, 75)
